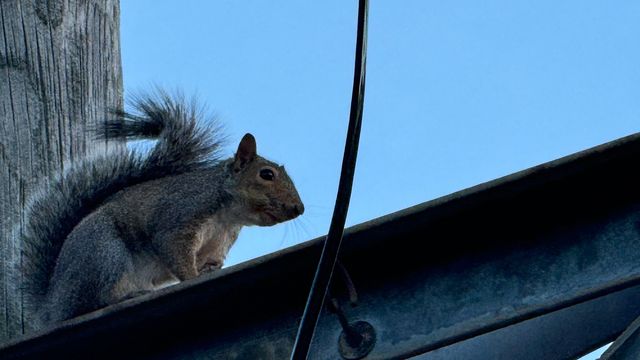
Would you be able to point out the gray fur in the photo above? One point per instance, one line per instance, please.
(182, 146)
(118, 226)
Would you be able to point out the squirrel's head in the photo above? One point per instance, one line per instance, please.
(263, 187)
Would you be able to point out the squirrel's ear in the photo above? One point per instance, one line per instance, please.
(246, 152)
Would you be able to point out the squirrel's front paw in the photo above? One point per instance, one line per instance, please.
(210, 265)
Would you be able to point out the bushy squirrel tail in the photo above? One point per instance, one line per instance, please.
(183, 144)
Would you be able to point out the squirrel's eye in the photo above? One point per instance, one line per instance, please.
(267, 174)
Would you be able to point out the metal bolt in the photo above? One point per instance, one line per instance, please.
(357, 339)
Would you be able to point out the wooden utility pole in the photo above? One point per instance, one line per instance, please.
(59, 71)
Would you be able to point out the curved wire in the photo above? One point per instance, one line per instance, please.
(331, 247)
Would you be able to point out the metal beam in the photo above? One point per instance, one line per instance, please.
(564, 334)
(555, 239)
(627, 345)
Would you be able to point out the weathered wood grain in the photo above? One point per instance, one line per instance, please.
(59, 71)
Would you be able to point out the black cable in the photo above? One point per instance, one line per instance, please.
(331, 248)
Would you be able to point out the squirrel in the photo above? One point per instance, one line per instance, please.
(127, 223)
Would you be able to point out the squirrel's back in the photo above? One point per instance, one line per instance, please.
(182, 146)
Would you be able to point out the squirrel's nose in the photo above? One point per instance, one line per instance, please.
(298, 209)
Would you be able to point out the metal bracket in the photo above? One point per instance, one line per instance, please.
(357, 338)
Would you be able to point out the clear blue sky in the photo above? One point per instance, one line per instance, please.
(457, 93)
